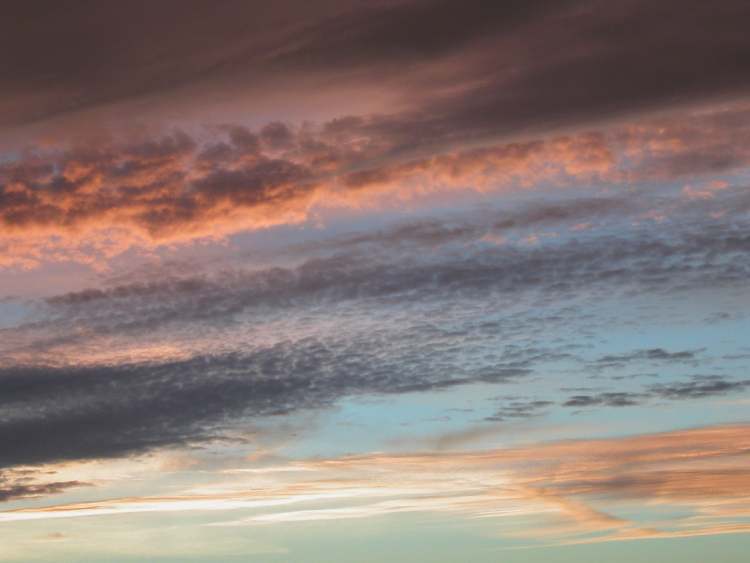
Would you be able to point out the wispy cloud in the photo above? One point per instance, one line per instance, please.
(571, 487)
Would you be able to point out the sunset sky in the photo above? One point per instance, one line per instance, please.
(343, 281)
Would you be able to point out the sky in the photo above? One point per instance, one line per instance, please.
(353, 281)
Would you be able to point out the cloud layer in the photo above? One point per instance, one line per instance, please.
(522, 63)
(562, 485)
(295, 260)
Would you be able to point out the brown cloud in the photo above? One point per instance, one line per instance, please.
(28, 483)
(522, 65)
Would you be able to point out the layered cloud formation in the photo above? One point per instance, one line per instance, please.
(482, 263)
(90, 203)
(562, 484)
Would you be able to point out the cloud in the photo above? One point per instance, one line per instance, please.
(699, 387)
(91, 201)
(516, 409)
(175, 360)
(20, 483)
(15, 492)
(102, 200)
(121, 406)
(649, 355)
(571, 489)
(486, 227)
(180, 360)
(576, 63)
(702, 254)
(104, 410)
(90, 382)
(602, 171)
(610, 398)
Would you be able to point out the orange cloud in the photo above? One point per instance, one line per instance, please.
(90, 203)
(576, 489)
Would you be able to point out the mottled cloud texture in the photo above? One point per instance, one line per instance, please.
(94, 202)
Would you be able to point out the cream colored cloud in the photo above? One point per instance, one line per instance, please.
(577, 490)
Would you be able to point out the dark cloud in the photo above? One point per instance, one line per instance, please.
(83, 56)
(649, 355)
(536, 62)
(541, 65)
(401, 33)
(699, 387)
(634, 376)
(610, 399)
(110, 410)
(596, 60)
(519, 409)
(277, 136)
(17, 484)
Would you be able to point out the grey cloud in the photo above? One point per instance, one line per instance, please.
(519, 409)
(701, 255)
(58, 413)
(18, 484)
(649, 355)
(18, 492)
(634, 376)
(610, 399)
(698, 387)
(449, 231)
